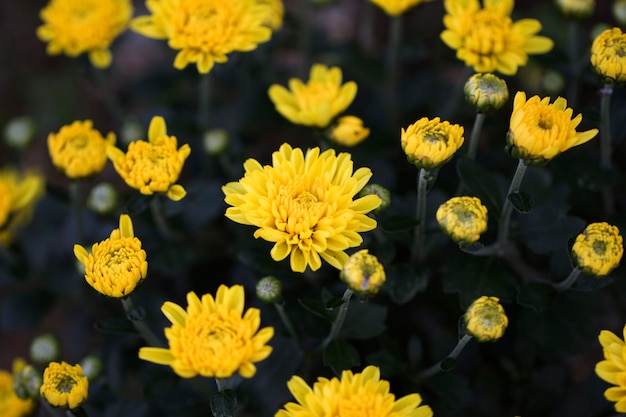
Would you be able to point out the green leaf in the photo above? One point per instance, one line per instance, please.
(317, 307)
(403, 282)
(340, 355)
(521, 201)
(535, 295)
(364, 320)
(115, 325)
(590, 283)
(480, 183)
(334, 303)
(548, 228)
(224, 403)
(398, 223)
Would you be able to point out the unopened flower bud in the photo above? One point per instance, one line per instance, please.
(102, 198)
(486, 92)
(552, 82)
(19, 132)
(363, 273)
(598, 249)
(45, 348)
(462, 218)
(64, 385)
(27, 382)
(131, 131)
(576, 9)
(485, 319)
(349, 131)
(269, 289)
(215, 141)
(619, 11)
(92, 367)
(381, 192)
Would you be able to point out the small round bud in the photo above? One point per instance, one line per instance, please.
(27, 382)
(92, 367)
(486, 92)
(102, 198)
(552, 82)
(383, 193)
(45, 348)
(269, 289)
(485, 319)
(131, 131)
(576, 9)
(19, 132)
(215, 141)
(348, 131)
(598, 249)
(462, 218)
(363, 273)
(619, 11)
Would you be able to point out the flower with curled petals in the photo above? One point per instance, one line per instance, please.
(598, 249)
(608, 55)
(430, 143)
(64, 385)
(212, 338)
(463, 218)
(485, 319)
(305, 204)
(613, 368)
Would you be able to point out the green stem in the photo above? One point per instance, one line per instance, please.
(605, 144)
(220, 384)
(159, 219)
(395, 40)
(569, 281)
(341, 317)
(507, 209)
(473, 142)
(204, 102)
(76, 201)
(436, 368)
(417, 250)
(286, 322)
(139, 324)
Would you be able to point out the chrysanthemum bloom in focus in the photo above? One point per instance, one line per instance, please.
(540, 130)
(349, 131)
(74, 27)
(10, 404)
(206, 31)
(117, 265)
(19, 194)
(598, 249)
(608, 55)
(212, 338)
(78, 150)
(363, 273)
(613, 368)
(64, 385)
(463, 218)
(487, 39)
(153, 166)
(429, 143)
(485, 319)
(360, 394)
(304, 204)
(317, 102)
(577, 9)
(397, 7)
(486, 92)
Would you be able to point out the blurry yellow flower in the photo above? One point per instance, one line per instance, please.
(317, 102)
(598, 249)
(206, 31)
(117, 265)
(64, 385)
(540, 130)
(486, 92)
(487, 39)
(153, 166)
(10, 404)
(212, 338)
(78, 150)
(349, 131)
(463, 218)
(577, 9)
(608, 55)
(74, 27)
(363, 273)
(360, 394)
(396, 7)
(275, 15)
(613, 368)
(429, 143)
(304, 204)
(19, 193)
(485, 319)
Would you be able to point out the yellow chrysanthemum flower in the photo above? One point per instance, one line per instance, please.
(487, 39)
(212, 338)
(64, 385)
(153, 166)
(540, 130)
(74, 27)
(354, 395)
(397, 7)
(19, 193)
(304, 204)
(608, 55)
(78, 150)
(10, 404)
(613, 368)
(117, 265)
(349, 131)
(485, 319)
(430, 143)
(276, 11)
(463, 218)
(317, 102)
(206, 31)
(363, 273)
(598, 249)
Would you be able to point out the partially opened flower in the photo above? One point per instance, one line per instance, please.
(318, 101)
(152, 166)
(75, 27)
(19, 194)
(10, 404)
(613, 368)
(206, 31)
(540, 130)
(397, 7)
(78, 150)
(363, 273)
(430, 143)
(355, 394)
(212, 337)
(487, 39)
(485, 319)
(463, 218)
(64, 385)
(598, 249)
(304, 204)
(349, 131)
(608, 55)
(117, 265)
(486, 92)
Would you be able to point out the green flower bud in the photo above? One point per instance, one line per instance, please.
(486, 92)
(619, 11)
(381, 192)
(552, 82)
(131, 131)
(27, 382)
(92, 367)
(269, 289)
(102, 198)
(19, 132)
(576, 9)
(45, 348)
(215, 141)
(363, 273)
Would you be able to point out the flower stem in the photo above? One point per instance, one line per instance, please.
(139, 324)
(473, 142)
(204, 102)
(76, 201)
(395, 39)
(507, 209)
(286, 322)
(341, 317)
(436, 368)
(417, 250)
(605, 144)
(220, 384)
(569, 281)
(159, 219)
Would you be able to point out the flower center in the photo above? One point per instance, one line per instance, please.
(488, 33)
(360, 406)
(599, 247)
(79, 141)
(316, 93)
(435, 137)
(65, 384)
(298, 210)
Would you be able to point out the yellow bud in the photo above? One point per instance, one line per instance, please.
(486, 92)
(607, 55)
(348, 131)
(463, 218)
(485, 319)
(598, 249)
(428, 144)
(380, 191)
(363, 273)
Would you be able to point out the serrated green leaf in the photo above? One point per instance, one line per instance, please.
(521, 201)
(535, 295)
(340, 355)
(480, 183)
(364, 321)
(224, 403)
(548, 228)
(403, 282)
(317, 307)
